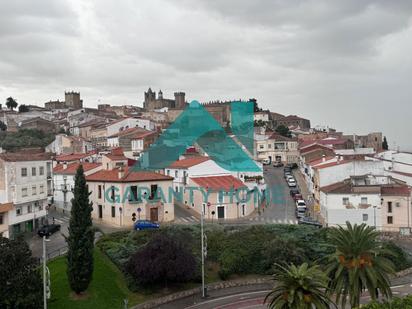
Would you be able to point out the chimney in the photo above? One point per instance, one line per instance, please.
(121, 172)
(64, 165)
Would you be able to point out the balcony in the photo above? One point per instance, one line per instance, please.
(364, 206)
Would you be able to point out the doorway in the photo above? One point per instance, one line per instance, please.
(100, 211)
(220, 212)
(154, 214)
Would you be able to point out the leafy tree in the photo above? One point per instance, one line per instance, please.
(299, 287)
(11, 103)
(358, 264)
(81, 237)
(385, 144)
(20, 279)
(23, 108)
(164, 259)
(284, 131)
(3, 126)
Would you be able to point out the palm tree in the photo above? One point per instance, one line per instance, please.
(11, 103)
(358, 264)
(299, 287)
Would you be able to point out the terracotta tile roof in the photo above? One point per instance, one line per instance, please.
(73, 156)
(115, 157)
(321, 160)
(25, 156)
(128, 176)
(72, 168)
(325, 141)
(130, 131)
(189, 162)
(396, 190)
(219, 182)
(6, 207)
(139, 135)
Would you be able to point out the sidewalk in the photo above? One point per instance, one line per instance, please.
(305, 193)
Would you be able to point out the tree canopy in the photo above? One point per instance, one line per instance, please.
(20, 279)
(11, 103)
(284, 131)
(23, 108)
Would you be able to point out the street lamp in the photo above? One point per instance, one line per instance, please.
(46, 275)
(203, 253)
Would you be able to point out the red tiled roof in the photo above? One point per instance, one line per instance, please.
(396, 190)
(72, 168)
(225, 183)
(189, 162)
(139, 135)
(319, 161)
(128, 176)
(277, 137)
(73, 156)
(325, 141)
(136, 130)
(25, 156)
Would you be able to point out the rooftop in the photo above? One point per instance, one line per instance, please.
(225, 183)
(189, 162)
(72, 168)
(73, 156)
(25, 156)
(128, 175)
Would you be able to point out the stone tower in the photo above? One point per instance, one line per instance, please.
(149, 96)
(72, 100)
(180, 100)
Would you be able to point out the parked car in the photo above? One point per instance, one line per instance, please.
(310, 221)
(145, 225)
(293, 192)
(290, 177)
(277, 164)
(287, 170)
(300, 212)
(291, 183)
(287, 175)
(298, 197)
(300, 203)
(47, 230)
(292, 165)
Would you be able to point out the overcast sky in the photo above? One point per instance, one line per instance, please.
(347, 63)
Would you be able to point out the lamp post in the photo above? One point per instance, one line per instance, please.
(374, 216)
(203, 253)
(46, 273)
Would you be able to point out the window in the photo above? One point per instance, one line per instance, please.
(23, 172)
(113, 212)
(41, 189)
(33, 171)
(390, 220)
(269, 146)
(153, 190)
(33, 190)
(1, 219)
(168, 172)
(112, 194)
(29, 209)
(345, 201)
(243, 209)
(204, 208)
(18, 211)
(365, 217)
(99, 192)
(175, 174)
(41, 170)
(24, 192)
(133, 194)
(389, 207)
(364, 200)
(261, 146)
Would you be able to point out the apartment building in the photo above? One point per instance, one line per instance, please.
(25, 185)
(379, 201)
(276, 147)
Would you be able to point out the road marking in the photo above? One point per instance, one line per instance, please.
(398, 286)
(227, 297)
(183, 219)
(194, 218)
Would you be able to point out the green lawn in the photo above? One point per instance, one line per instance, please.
(107, 289)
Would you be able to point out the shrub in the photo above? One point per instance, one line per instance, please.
(399, 258)
(164, 259)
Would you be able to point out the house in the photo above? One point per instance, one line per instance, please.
(25, 185)
(227, 197)
(397, 164)
(91, 156)
(128, 123)
(379, 201)
(38, 124)
(63, 181)
(64, 144)
(133, 145)
(125, 138)
(275, 147)
(120, 195)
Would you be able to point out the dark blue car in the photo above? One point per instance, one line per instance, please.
(145, 225)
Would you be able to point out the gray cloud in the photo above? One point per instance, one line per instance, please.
(341, 63)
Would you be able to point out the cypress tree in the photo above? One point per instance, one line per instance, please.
(385, 143)
(81, 237)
